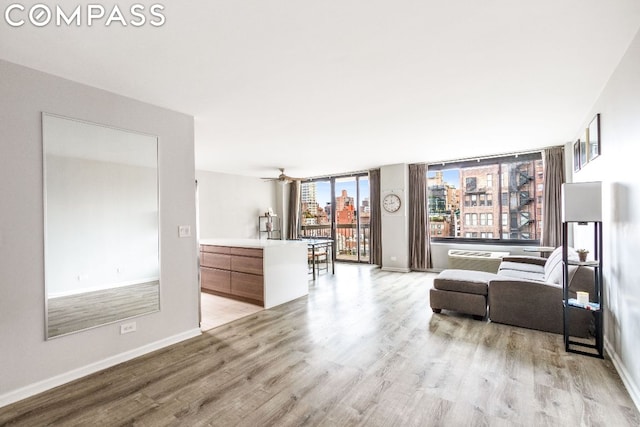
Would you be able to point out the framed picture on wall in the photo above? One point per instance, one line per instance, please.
(576, 156)
(583, 151)
(593, 143)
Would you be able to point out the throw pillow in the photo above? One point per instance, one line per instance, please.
(553, 266)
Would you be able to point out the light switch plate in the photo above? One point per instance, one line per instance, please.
(184, 230)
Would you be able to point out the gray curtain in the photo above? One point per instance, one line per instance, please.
(375, 223)
(553, 159)
(419, 241)
(294, 210)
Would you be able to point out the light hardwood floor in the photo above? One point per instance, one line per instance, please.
(362, 349)
(81, 311)
(217, 311)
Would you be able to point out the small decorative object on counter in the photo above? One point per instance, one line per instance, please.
(582, 254)
(582, 297)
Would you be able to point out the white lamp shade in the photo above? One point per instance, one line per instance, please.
(582, 201)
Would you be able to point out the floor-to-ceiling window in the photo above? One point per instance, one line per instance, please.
(338, 207)
(496, 199)
(351, 217)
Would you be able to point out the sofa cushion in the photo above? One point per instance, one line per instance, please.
(553, 266)
(534, 305)
(466, 281)
(461, 302)
(521, 266)
(522, 274)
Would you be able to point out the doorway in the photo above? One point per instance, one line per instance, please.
(339, 208)
(215, 310)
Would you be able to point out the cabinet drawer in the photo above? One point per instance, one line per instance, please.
(215, 260)
(252, 252)
(215, 280)
(215, 249)
(247, 285)
(245, 264)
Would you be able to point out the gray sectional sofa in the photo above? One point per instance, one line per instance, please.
(526, 291)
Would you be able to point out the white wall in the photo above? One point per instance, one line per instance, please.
(230, 204)
(29, 364)
(617, 168)
(395, 226)
(120, 220)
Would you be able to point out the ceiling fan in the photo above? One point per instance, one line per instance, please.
(283, 177)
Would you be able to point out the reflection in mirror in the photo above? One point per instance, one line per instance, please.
(101, 224)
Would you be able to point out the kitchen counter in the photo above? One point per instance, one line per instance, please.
(263, 272)
(252, 243)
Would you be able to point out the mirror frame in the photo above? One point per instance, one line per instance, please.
(45, 115)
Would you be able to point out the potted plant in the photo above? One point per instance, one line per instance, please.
(582, 254)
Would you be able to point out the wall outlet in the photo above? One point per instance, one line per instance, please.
(393, 258)
(126, 328)
(184, 231)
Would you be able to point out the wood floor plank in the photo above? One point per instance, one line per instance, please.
(363, 349)
(68, 314)
(217, 310)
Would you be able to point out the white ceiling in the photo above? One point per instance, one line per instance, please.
(332, 86)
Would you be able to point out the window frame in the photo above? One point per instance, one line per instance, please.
(500, 186)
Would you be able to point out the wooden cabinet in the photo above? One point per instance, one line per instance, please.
(214, 279)
(267, 272)
(216, 261)
(247, 285)
(246, 264)
(233, 272)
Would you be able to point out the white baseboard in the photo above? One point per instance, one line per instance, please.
(628, 382)
(58, 380)
(396, 269)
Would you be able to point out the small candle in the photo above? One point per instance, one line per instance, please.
(583, 297)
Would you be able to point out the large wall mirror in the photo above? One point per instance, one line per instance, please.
(101, 224)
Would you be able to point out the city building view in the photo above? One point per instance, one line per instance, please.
(348, 212)
(499, 200)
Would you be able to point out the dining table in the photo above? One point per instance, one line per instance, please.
(317, 244)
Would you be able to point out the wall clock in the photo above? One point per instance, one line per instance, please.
(391, 203)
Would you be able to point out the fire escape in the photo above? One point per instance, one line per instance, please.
(521, 206)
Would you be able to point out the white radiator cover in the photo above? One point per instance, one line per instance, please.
(488, 261)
